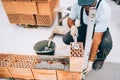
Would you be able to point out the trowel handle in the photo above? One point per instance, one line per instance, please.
(49, 42)
(76, 35)
(50, 39)
(75, 39)
(52, 36)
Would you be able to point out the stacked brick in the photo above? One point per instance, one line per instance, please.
(31, 12)
(31, 67)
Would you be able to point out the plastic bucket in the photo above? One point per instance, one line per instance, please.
(39, 48)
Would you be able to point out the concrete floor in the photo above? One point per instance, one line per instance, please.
(109, 71)
(18, 40)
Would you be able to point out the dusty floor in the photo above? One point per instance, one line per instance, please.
(18, 40)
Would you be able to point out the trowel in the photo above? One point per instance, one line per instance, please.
(75, 45)
(47, 48)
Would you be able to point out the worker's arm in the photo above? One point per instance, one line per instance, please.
(73, 28)
(95, 44)
(94, 48)
(71, 22)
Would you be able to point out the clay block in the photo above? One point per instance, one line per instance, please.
(30, 8)
(18, 6)
(76, 57)
(23, 0)
(44, 74)
(76, 52)
(21, 7)
(7, 0)
(25, 7)
(13, 18)
(19, 60)
(76, 64)
(4, 73)
(44, 20)
(24, 73)
(44, 8)
(27, 19)
(5, 61)
(8, 6)
(21, 66)
(21, 19)
(40, 0)
(40, 12)
(65, 75)
(56, 3)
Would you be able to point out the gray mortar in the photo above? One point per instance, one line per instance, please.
(52, 63)
(67, 67)
(45, 58)
(57, 66)
(42, 65)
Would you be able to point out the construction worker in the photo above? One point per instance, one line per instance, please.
(101, 40)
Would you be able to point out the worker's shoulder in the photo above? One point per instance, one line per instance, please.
(105, 4)
(104, 7)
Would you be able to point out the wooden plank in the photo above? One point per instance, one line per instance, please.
(65, 75)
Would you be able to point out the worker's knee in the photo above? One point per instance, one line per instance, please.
(65, 41)
(106, 46)
(106, 43)
(67, 38)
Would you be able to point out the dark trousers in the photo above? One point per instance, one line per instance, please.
(104, 47)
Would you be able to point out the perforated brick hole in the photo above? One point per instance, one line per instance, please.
(23, 61)
(76, 52)
(44, 20)
(5, 60)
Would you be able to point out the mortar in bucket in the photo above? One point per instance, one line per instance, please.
(40, 47)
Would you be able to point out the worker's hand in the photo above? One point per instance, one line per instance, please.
(74, 31)
(89, 68)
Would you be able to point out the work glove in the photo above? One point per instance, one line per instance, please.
(74, 31)
(88, 69)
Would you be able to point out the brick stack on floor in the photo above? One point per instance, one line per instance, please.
(31, 12)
